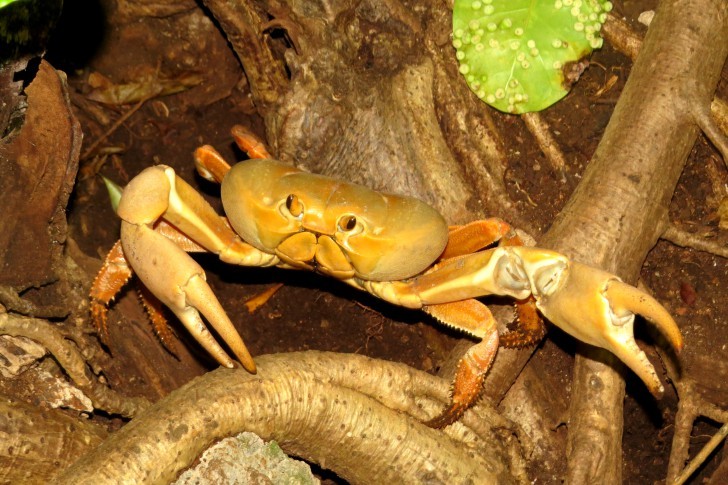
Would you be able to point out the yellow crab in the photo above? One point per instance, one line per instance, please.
(396, 248)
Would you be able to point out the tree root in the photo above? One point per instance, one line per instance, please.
(695, 401)
(715, 245)
(341, 411)
(702, 455)
(546, 141)
(72, 362)
(715, 128)
(619, 209)
(38, 442)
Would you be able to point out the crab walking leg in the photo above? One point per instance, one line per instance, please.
(209, 164)
(248, 141)
(159, 324)
(108, 282)
(213, 167)
(476, 235)
(169, 273)
(447, 294)
(476, 319)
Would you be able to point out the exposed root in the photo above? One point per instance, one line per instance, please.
(712, 130)
(719, 110)
(72, 362)
(621, 36)
(702, 455)
(541, 132)
(692, 405)
(39, 442)
(624, 39)
(347, 412)
(266, 73)
(717, 245)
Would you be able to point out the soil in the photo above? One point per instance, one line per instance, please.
(313, 312)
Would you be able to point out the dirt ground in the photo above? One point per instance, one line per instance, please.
(313, 312)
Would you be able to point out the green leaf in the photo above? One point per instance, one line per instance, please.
(4, 3)
(514, 53)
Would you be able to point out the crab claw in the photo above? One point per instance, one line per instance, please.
(165, 269)
(183, 289)
(598, 308)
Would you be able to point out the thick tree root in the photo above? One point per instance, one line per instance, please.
(620, 208)
(37, 442)
(712, 120)
(346, 412)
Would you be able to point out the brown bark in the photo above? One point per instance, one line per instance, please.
(39, 167)
(38, 443)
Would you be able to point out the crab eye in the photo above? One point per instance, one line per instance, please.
(294, 205)
(347, 223)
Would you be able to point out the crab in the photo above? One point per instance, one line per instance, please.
(395, 247)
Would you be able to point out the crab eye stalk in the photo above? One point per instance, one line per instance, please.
(294, 205)
(347, 223)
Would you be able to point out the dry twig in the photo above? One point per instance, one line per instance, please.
(697, 241)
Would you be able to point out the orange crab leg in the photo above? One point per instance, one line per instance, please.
(108, 282)
(210, 164)
(249, 142)
(477, 235)
(470, 376)
(213, 167)
(160, 325)
(474, 318)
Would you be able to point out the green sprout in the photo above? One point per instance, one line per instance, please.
(516, 54)
(114, 192)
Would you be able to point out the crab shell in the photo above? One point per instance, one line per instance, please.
(338, 228)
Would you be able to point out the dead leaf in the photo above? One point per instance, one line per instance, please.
(104, 91)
